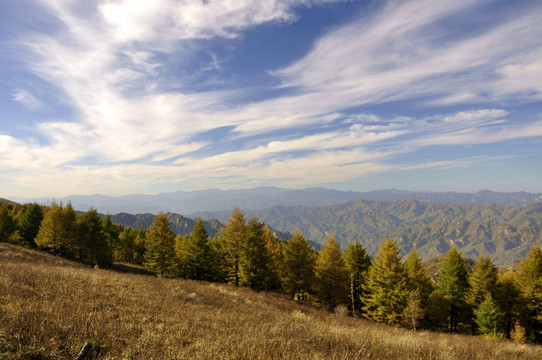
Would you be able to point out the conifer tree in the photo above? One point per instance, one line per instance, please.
(233, 239)
(58, 230)
(488, 316)
(139, 246)
(276, 266)
(331, 283)
(255, 260)
(198, 257)
(418, 279)
(159, 243)
(453, 285)
(299, 262)
(125, 246)
(7, 224)
(509, 300)
(92, 239)
(357, 263)
(29, 224)
(387, 286)
(483, 280)
(530, 281)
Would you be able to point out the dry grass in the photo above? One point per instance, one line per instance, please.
(49, 307)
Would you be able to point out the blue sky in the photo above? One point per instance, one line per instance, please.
(120, 97)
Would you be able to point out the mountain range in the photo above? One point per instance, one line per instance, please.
(195, 202)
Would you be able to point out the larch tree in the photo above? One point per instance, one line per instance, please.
(453, 284)
(255, 259)
(159, 243)
(299, 260)
(530, 281)
(92, 240)
(276, 266)
(418, 279)
(509, 300)
(29, 223)
(58, 231)
(7, 224)
(488, 316)
(331, 279)
(483, 280)
(198, 257)
(387, 286)
(357, 262)
(233, 238)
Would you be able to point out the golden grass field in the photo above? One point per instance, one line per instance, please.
(49, 307)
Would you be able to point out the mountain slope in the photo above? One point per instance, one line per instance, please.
(506, 233)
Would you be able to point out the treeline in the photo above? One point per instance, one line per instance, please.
(500, 304)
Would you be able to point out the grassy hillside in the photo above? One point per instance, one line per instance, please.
(49, 307)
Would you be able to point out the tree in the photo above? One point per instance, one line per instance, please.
(357, 263)
(331, 283)
(198, 257)
(387, 286)
(124, 251)
(276, 266)
(255, 260)
(233, 238)
(413, 311)
(488, 316)
(7, 224)
(58, 230)
(92, 239)
(530, 281)
(29, 224)
(509, 300)
(483, 280)
(299, 262)
(159, 243)
(453, 285)
(418, 279)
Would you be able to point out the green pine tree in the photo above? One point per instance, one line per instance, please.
(233, 238)
(299, 262)
(331, 283)
(357, 262)
(255, 261)
(488, 316)
(159, 243)
(454, 285)
(387, 286)
(124, 250)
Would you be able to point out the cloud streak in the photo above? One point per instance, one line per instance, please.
(134, 124)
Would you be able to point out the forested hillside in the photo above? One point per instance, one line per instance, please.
(505, 233)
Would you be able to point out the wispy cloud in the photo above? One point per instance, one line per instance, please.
(111, 64)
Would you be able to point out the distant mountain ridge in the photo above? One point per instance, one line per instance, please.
(213, 200)
(505, 233)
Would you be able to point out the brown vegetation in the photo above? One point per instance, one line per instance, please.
(49, 307)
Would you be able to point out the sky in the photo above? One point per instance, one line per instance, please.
(123, 96)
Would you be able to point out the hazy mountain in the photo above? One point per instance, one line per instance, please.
(181, 225)
(196, 202)
(503, 232)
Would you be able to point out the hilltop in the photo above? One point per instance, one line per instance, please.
(51, 306)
